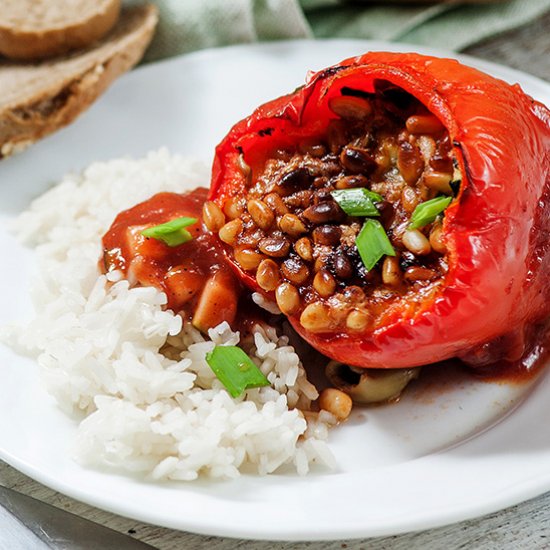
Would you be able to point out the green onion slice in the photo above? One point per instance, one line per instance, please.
(373, 243)
(426, 212)
(358, 201)
(172, 233)
(235, 369)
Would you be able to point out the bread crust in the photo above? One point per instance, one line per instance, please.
(22, 43)
(52, 94)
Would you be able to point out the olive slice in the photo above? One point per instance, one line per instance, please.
(370, 386)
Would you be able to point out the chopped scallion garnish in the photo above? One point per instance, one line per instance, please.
(373, 243)
(357, 201)
(235, 369)
(172, 233)
(426, 212)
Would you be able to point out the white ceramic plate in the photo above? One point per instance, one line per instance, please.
(452, 449)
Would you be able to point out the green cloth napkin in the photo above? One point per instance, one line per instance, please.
(187, 25)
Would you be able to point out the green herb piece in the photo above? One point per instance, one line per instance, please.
(426, 212)
(172, 233)
(357, 202)
(235, 370)
(373, 243)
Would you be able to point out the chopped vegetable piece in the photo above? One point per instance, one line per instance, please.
(172, 233)
(373, 243)
(218, 301)
(357, 202)
(235, 370)
(426, 212)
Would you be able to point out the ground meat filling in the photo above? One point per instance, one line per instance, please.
(295, 239)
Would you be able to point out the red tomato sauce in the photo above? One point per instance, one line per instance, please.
(198, 282)
(181, 271)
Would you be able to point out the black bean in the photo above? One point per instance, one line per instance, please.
(276, 247)
(387, 213)
(357, 160)
(342, 265)
(295, 179)
(407, 259)
(328, 235)
(326, 211)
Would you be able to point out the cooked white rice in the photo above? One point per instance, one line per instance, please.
(98, 343)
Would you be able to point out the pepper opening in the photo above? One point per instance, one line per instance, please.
(291, 233)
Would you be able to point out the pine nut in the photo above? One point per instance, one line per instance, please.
(276, 203)
(416, 242)
(261, 213)
(316, 317)
(427, 147)
(248, 259)
(336, 402)
(353, 295)
(391, 272)
(304, 249)
(288, 298)
(292, 225)
(351, 182)
(230, 231)
(436, 239)
(233, 208)
(357, 320)
(420, 274)
(212, 216)
(350, 107)
(387, 154)
(295, 271)
(267, 275)
(409, 199)
(324, 283)
(439, 181)
(424, 124)
(321, 262)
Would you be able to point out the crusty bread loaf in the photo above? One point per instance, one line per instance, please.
(37, 99)
(37, 29)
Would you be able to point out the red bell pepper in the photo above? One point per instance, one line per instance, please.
(496, 295)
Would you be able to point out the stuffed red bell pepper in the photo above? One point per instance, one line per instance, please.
(396, 209)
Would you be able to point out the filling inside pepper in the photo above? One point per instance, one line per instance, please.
(346, 227)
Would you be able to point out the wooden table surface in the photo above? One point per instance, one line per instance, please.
(526, 526)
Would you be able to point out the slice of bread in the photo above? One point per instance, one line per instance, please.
(36, 29)
(37, 99)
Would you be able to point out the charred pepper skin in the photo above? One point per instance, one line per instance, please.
(496, 294)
